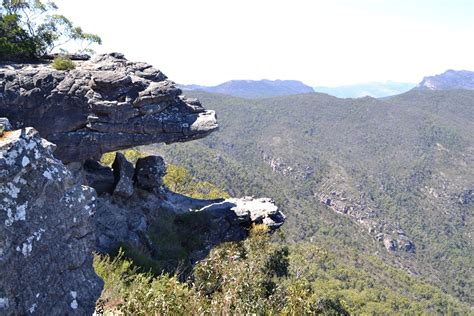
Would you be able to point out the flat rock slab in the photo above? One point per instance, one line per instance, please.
(105, 104)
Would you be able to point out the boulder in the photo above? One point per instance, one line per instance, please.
(123, 173)
(4, 125)
(105, 104)
(46, 232)
(149, 172)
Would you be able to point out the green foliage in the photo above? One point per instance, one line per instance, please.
(388, 154)
(262, 276)
(63, 63)
(179, 180)
(29, 29)
(15, 43)
(131, 155)
(235, 279)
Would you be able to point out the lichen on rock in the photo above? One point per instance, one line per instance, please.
(54, 213)
(46, 231)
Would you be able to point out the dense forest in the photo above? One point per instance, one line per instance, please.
(263, 274)
(402, 162)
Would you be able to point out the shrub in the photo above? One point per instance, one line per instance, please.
(63, 63)
(15, 43)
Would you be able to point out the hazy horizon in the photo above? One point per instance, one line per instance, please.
(330, 43)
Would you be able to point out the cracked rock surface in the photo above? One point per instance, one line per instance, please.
(46, 232)
(105, 104)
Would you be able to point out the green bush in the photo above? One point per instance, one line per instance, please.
(249, 277)
(15, 43)
(63, 63)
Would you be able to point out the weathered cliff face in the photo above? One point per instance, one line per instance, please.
(105, 104)
(46, 231)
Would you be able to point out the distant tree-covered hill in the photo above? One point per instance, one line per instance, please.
(372, 89)
(253, 89)
(391, 178)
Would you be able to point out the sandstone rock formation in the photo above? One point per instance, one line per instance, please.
(46, 232)
(47, 227)
(105, 104)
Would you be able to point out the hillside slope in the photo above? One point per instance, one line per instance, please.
(449, 80)
(391, 178)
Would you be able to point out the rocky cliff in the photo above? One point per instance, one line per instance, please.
(449, 80)
(104, 104)
(56, 212)
(46, 231)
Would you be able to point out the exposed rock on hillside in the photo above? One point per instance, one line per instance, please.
(105, 104)
(131, 220)
(341, 195)
(46, 232)
(448, 80)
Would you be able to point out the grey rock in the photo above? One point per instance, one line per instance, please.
(336, 193)
(390, 244)
(4, 125)
(249, 210)
(126, 220)
(46, 232)
(149, 172)
(107, 103)
(123, 172)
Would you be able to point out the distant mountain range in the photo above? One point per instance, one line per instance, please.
(255, 89)
(258, 89)
(449, 80)
(372, 89)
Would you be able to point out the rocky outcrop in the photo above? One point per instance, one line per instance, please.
(449, 80)
(339, 194)
(54, 213)
(130, 220)
(46, 232)
(105, 104)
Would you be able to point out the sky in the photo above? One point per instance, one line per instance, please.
(322, 43)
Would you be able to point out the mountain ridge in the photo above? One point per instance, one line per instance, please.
(252, 89)
(372, 89)
(448, 80)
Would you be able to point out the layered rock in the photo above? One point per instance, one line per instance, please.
(105, 104)
(129, 220)
(46, 231)
(342, 196)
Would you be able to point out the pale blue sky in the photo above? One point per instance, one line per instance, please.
(331, 42)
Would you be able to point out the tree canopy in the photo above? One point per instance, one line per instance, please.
(30, 29)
